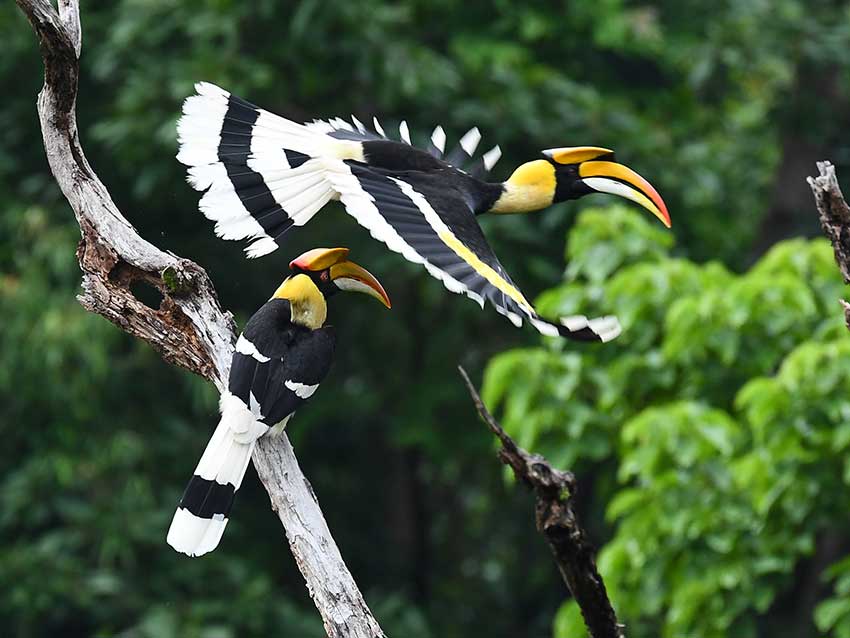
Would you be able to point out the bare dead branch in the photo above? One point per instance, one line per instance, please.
(332, 587)
(189, 328)
(834, 214)
(556, 520)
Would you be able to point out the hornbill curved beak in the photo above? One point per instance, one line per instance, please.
(345, 275)
(599, 172)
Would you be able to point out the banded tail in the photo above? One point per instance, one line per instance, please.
(263, 174)
(203, 511)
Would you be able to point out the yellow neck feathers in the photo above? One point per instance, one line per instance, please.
(306, 301)
(531, 187)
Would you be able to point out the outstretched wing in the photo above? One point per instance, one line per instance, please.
(462, 156)
(264, 175)
(435, 227)
(274, 371)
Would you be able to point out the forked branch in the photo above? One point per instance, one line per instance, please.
(189, 328)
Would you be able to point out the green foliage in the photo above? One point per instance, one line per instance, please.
(721, 106)
(833, 614)
(724, 409)
(605, 239)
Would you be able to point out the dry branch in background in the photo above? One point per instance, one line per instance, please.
(834, 217)
(556, 520)
(189, 328)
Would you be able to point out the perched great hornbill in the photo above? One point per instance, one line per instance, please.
(280, 360)
(264, 175)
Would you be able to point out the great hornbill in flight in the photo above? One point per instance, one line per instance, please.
(280, 360)
(265, 175)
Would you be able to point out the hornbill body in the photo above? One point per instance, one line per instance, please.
(280, 359)
(265, 175)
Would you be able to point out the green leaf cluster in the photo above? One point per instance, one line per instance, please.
(723, 411)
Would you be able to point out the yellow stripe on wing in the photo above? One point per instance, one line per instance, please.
(483, 269)
(449, 239)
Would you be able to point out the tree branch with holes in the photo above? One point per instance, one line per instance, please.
(189, 329)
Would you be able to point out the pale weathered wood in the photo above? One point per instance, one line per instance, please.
(189, 328)
(343, 609)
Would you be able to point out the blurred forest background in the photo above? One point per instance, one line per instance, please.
(711, 440)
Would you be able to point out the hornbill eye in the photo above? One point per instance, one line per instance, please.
(330, 265)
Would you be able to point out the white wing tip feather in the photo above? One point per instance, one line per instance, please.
(438, 138)
(515, 318)
(574, 322)
(210, 89)
(404, 132)
(469, 141)
(491, 157)
(544, 327)
(608, 327)
(358, 124)
(261, 247)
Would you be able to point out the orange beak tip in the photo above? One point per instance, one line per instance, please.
(665, 216)
(345, 273)
(382, 294)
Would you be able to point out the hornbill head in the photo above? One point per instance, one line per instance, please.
(330, 270)
(581, 170)
(572, 172)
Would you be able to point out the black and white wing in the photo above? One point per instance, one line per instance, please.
(264, 175)
(416, 216)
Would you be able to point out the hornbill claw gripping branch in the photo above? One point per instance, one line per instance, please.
(280, 359)
(264, 175)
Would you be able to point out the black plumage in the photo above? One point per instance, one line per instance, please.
(205, 498)
(276, 367)
(443, 180)
(454, 198)
(296, 354)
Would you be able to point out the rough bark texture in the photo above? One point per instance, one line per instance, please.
(189, 328)
(343, 609)
(834, 216)
(556, 520)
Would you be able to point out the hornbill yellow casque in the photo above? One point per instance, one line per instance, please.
(280, 360)
(264, 175)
